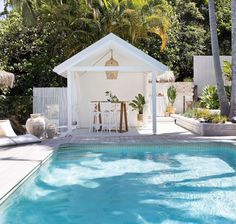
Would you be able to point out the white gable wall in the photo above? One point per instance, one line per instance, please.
(124, 58)
(93, 85)
(111, 41)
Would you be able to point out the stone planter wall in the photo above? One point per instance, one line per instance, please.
(206, 129)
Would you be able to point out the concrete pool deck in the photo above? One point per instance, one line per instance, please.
(17, 163)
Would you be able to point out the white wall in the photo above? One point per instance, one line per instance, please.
(92, 86)
(204, 72)
(183, 89)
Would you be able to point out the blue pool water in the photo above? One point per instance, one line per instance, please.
(166, 184)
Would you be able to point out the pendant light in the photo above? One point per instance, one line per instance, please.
(112, 62)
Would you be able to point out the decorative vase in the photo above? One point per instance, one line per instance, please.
(51, 130)
(35, 125)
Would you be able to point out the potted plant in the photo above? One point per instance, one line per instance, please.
(171, 94)
(111, 98)
(138, 105)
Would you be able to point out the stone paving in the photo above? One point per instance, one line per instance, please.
(17, 163)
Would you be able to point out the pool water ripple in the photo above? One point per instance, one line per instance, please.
(140, 184)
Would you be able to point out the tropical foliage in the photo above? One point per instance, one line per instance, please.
(227, 69)
(205, 115)
(209, 98)
(36, 35)
(138, 103)
(171, 94)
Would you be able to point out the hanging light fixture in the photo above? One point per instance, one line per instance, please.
(112, 62)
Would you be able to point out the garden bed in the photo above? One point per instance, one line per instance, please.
(206, 129)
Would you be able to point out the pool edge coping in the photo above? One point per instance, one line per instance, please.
(25, 178)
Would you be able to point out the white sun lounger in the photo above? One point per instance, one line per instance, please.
(9, 138)
(6, 128)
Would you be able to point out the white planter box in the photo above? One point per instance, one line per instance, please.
(206, 129)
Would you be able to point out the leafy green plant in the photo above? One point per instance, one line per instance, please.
(188, 79)
(228, 91)
(111, 97)
(190, 113)
(172, 94)
(206, 115)
(227, 69)
(219, 119)
(138, 103)
(18, 106)
(209, 98)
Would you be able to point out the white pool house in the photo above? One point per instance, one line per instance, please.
(88, 79)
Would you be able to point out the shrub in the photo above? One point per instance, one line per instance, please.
(189, 114)
(199, 113)
(188, 79)
(209, 98)
(219, 119)
(19, 106)
(206, 115)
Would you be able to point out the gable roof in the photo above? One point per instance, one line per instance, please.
(110, 38)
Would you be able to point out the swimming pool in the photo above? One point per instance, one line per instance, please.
(184, 183)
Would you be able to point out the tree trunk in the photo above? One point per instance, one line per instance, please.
(224, 103)
(233, 91)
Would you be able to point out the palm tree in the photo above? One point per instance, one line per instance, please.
(224, 103)
(67, 16)
(132, 20)
(25, 7)
(233, 91)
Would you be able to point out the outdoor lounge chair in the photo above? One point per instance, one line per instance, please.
(9, 138)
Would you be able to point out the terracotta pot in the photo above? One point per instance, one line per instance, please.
(35, 125)
(170, 109)
(51, 131)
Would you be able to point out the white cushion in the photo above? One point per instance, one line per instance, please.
(25, 139)
(6, 141)
(6, 129)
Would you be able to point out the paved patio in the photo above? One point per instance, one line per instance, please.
(17, 163)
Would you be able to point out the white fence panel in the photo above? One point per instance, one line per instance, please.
(52, 103)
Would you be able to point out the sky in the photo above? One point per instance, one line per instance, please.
(1, 5)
